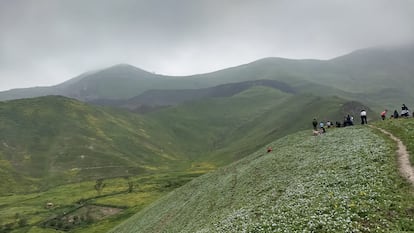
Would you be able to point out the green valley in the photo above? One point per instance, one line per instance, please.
(54, 147)
(133, 151)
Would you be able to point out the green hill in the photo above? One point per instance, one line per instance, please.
(343, 181)
(52, 140)
(48, 142)
(227, 129)
(162, 98)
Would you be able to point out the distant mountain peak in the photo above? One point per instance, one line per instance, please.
(124, 67)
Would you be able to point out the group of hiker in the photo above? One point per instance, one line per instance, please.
(405, 112)
(319, 127)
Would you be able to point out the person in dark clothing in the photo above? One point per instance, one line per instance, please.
(348, 121)
(338, 124)
(315, 124)
(395, 114)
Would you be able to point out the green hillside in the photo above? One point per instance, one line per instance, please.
(53, 140)
(162, 98)
(227, 129)
(343, 181)
(55, 148)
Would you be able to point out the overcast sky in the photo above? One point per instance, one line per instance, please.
(45, 42)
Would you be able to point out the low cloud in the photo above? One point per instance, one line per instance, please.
(47, 42)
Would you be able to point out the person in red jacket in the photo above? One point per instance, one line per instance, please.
(384, 114)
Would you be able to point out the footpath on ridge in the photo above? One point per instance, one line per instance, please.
(404, 164)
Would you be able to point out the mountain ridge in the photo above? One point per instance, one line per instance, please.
(359, 72)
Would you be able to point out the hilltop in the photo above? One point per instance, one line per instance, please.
(343, 181)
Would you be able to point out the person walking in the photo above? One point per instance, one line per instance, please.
(315, 124)
(363, 117)
(384, 114)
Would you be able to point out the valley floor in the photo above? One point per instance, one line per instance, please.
(79, 208)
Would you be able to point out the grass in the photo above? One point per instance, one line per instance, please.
(67, 198)
(343, 181)
(53, 140)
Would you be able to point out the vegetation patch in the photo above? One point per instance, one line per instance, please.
(87, 207)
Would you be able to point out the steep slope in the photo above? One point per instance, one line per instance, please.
(343, 181)
(241, 123)
(56, 139)
(159, 98)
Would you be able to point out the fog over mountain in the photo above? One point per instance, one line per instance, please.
(47, 42)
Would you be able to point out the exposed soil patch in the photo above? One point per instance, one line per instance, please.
(405, 167)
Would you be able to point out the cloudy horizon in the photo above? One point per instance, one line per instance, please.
(46, 42)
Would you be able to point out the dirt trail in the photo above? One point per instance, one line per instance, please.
(405, 167)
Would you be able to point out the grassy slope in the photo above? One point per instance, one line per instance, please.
(227, 129)
(343, 181)
(215, 131)
(60, 140)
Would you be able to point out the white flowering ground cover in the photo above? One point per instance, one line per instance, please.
(343, 181)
